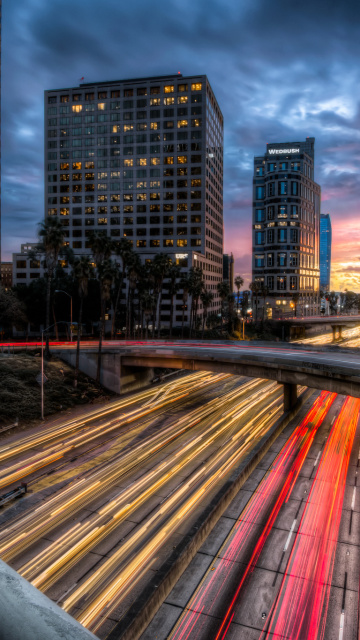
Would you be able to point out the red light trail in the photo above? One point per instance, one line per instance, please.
(265, 504)
(300, 609)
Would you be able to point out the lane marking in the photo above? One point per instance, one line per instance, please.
(353, 499)
(289, 536)
(341, 629)
(317, 458)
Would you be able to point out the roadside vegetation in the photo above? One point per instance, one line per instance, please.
(20, 390)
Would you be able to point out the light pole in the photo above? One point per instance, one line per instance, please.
(68, 294)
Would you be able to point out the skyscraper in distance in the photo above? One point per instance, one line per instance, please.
(325, 251)
(286, 228)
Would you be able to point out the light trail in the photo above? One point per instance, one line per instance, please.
(172, 393)
(264, 506)
(46, 568)
(350, 338)
(300, 610)
(106, 587)
(24, 530)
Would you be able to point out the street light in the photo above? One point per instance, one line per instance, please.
(68, 294)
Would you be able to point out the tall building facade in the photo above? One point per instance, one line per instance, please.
(325, 251)
(141, 159)
(286, 228)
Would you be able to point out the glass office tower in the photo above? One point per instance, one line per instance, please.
(325, 251)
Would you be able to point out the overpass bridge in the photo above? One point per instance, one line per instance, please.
(127, 366)
(299, 327)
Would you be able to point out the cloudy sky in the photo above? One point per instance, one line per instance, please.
(281, 71)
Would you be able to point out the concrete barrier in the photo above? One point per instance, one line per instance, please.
(28, 614)
(140, 614)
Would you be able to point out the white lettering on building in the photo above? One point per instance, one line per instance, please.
(275, 151)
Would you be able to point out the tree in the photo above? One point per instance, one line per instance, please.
(255, 289)
(238, 284)
(244, 304)
(230, 311)
(101, 247)
(147, 304)
(12, 311)
(51, 241)
(206, 298)
(196, 286)
(133, 271)
(161, 265)
(173, 287)
(295, 299)
(223, 289)
(124, 250)
(333, 302)
(264, 291)
(184, 284)
(82, 272)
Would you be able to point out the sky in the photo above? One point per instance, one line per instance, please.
(281, 71)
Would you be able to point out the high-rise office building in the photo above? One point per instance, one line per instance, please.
(141, 159)
(286, 228)
(0, 126)
(325, 251)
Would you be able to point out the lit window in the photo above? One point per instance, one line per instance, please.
(156, 161)
(102, 220)
(142, 162)
(76, 165)
(141, 196)
(167, 160)
(182, 99)
(196, 122)
(196, 86)
(115, 128)
(169, 88)
(77, 108)
(141, 184)
(182, 159)
(182, 123)
(155, 102)
(182, 242)
(141, 243)
(154, 183)
(168, 101)
(154, 125)
(64, 211)
(102, 175)
(128, 127)
(101, 106)
(128, 162)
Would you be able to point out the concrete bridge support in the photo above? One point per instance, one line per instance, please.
(337, 328)
(115, 376)
(290, 396)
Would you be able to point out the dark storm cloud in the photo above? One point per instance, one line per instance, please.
(280, 72)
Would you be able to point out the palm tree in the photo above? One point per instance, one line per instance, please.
(223, 291)
(206, 298)
(124, 251)
(230, 311)
(184, 285)
(295, 299)
(147, 303)
(133, 271)
(264, 291)
(174, 286)
(196, 286)
(82, 272)
(51, 236)
(101, 246)
(161, 265)
(238, 284)
(255, 288)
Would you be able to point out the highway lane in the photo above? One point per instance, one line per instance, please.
(109, 585)
(300, 609)
(218, 592)
(178, 462)
(54, 442)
